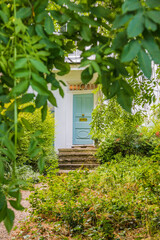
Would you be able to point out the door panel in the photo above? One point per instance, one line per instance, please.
(82, 109)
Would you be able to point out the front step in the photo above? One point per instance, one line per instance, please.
(77, 166)
(70, 150)
(77, 157)
(76, 161)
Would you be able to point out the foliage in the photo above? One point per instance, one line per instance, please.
(45, 133)
(108, 118)
(128, 40)
(116, 131)
(25, 172)
(116, 198)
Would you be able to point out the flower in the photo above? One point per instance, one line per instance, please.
(118, 139)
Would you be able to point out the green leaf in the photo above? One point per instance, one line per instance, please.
(39, 84)
(32, 145)
(88, 53)
(24, 13)
(120, 40)
(20, 88)
(86, 32)
(86, 76)
(63, 83)
(153, 3)
(124, 100)
(40, 6)
(38, 65)
(154, 16)
(26, 98)
(26, 123)
(113, 89)
(41, 164)
(119, 67)
(150, 25)
(43, 53)
(8, 81)
(1, 170)
(3, 210)
(3, 202)
(152, 47)
(125, 86)
(16, 205)
(136, 26)
(21, 73)
(30, 109)
(72, 6)
(52, 99)
(39, 30)
(5, 9)
(130, 5)
(40, 100)
(35, 152)
(56, 15)
(48, 25)
(9, 220)
(3, 16)
(100, 12)
(4, 37)
(61, 65)
(38, 87)
(10, 146)
(44, 111)
(20, 63)
(121, 20)
(41, 16)
(73, 26)
(96, 67)
(106, 82)
(61, 92)
(8, 154)
(130, 51)
(145, 63)
(15, 193)
(39, 79)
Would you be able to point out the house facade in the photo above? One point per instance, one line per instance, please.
(73, 114)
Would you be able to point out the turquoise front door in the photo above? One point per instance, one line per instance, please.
(82, 109)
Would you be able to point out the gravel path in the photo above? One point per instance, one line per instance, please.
(19, 216)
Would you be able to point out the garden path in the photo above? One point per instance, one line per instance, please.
(20, 216)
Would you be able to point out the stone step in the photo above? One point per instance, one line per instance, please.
(78, 161)
(77, 150)
(79, 154)
(77, 166)
(67, 171)
(77, 157)
(84, 146)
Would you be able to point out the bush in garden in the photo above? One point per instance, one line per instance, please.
(44, 133)
(119, 196)
(116, 131)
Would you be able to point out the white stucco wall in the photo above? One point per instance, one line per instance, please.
(64, 117)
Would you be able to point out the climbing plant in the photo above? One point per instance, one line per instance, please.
(122, 35)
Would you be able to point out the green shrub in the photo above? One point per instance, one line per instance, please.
(117, 197)
(117, 131)
(44, 134)
(26, 173)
